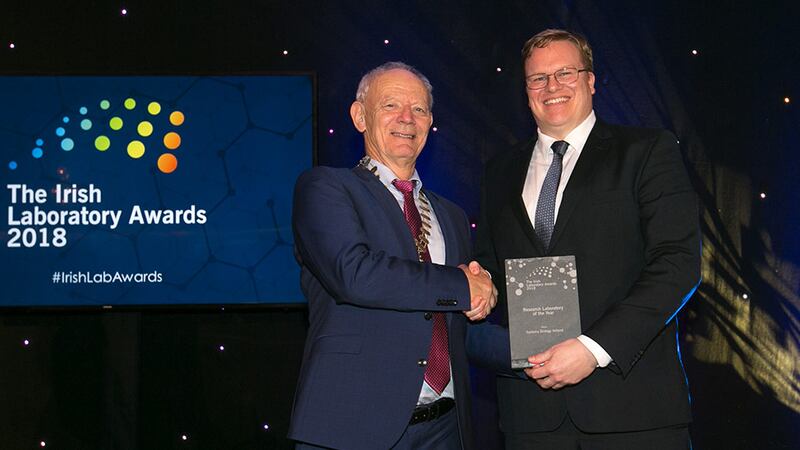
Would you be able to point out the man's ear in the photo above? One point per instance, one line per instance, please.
(357, 112)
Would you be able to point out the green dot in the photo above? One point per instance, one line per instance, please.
(130, 103)
(102, 143)
(86, 124)
(105, 104)
(115, 123)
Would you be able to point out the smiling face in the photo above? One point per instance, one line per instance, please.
(395, 118)
(559, 108)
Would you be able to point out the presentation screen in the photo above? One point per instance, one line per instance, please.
(151, 190)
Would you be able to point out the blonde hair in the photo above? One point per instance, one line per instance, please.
(544, 38)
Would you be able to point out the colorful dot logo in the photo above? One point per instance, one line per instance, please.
(102, 143)
(115, 123)
(105, 130)
(136, 149)
(154, 108)
(176, 118)
(67, 144)
(167, 163)
(145, 128)
(172, 140)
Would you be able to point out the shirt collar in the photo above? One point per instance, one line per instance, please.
(576, 138)
(386, 176)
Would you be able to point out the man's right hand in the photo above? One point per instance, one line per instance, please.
(483, 294)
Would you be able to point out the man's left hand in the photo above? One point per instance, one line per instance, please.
(563, 364)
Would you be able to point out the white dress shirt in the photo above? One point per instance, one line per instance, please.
(537, 170)
(436, 250)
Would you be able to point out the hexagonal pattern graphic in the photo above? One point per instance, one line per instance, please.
(195, 178)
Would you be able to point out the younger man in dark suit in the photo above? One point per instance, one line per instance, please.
(619, 199)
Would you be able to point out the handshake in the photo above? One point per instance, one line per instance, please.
(483, 294)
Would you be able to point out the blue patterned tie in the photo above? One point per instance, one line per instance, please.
(546, 206)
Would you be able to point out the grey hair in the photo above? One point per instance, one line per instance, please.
(363, 85)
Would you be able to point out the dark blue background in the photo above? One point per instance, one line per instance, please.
(244, 141)
(143, 377)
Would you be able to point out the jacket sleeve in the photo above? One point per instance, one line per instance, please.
(332, 244)
(668, 218)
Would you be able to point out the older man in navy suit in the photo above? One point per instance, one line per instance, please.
(389, 296)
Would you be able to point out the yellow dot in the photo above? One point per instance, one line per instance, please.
(115, 123)
(154, 108)
(176, 118)
(130, 103)
(135, 149)
(145, 128)
(167, 163)
(172, 140)
(102, 143)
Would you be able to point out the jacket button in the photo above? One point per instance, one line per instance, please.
(422, 363)
(428, 316)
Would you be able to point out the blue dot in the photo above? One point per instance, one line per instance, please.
(60, 131)
(37, 153)
(39, 142)
(67, 144)
(83, 110)
(65, 119)
(12, 165)
(86, 124)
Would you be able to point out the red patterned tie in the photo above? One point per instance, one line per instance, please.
(437, 372)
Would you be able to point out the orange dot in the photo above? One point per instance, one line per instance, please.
(176, 118)
(172, 140)
(167, 163)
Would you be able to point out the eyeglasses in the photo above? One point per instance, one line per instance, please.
(566, 75)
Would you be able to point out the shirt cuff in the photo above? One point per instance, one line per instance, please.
(602, 357)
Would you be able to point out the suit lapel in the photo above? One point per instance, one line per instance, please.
(389, 205)
(576, 187)
(519, 172)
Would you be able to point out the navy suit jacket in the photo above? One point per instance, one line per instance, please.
(629, 215)
(368, 295)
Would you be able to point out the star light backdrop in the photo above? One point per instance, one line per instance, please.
(722, 76)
